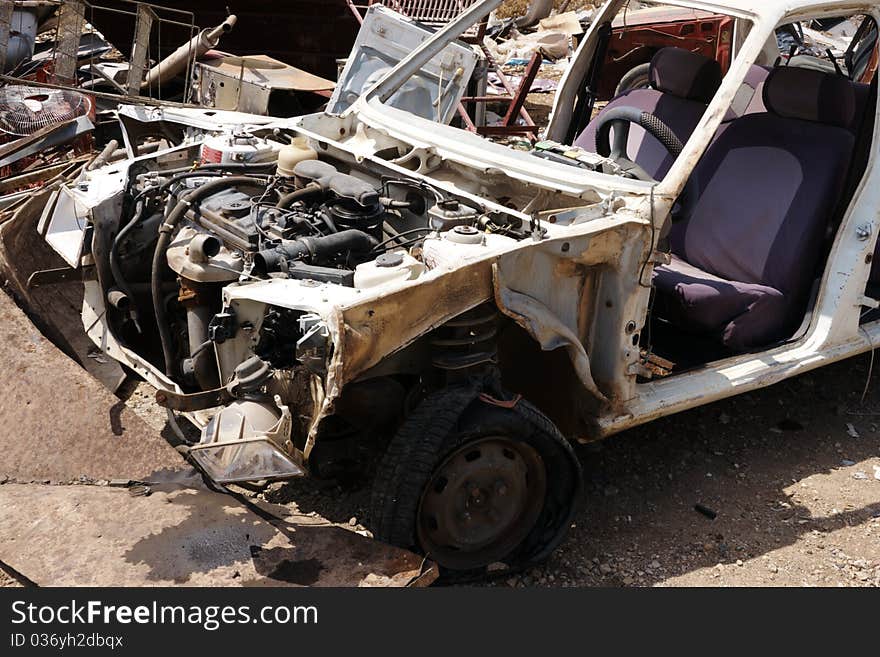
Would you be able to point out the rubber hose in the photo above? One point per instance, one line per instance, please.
(314, 249)
(115, 268)
(231, 167)
(165, 230)
(197, 173)
(300, 194)
(240, 166)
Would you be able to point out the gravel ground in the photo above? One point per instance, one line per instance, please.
(792, 473)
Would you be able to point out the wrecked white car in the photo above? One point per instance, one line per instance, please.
(375, 292)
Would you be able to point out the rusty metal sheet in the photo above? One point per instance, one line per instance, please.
(59, 423)
(264, 71)
(99, 536)
(372, 330)
(57, 308)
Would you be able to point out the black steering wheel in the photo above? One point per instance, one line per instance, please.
(620, 119)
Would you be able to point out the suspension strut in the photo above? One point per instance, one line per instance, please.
(467, 344)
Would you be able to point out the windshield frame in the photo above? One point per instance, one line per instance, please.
(466, 148)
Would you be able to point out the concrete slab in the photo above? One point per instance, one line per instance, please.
(58, 423)
(100, 536)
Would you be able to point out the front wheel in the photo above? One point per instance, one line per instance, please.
(474, 487)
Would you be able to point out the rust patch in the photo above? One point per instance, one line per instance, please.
(59, 423)
(373, 331)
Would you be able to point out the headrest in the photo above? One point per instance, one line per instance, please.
(809, 95)
(685, 74)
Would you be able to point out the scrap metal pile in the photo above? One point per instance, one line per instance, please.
(62, 81)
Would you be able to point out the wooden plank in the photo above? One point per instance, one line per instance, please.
(70, 26)
(5, 28)
(140, 48)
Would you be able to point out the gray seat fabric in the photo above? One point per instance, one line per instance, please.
(765, 193)
(682, 84)
(750, 97)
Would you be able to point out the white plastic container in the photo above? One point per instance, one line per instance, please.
(449, 251)
(294, 153)
(392, 267)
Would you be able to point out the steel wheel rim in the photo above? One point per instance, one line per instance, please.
(481, 502)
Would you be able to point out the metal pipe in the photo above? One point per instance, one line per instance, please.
(177, 62)
(203, 247)
(116, 267)
(104, 156)
(119, 300)
(201, 359)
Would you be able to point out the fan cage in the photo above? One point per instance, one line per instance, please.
(24, 109)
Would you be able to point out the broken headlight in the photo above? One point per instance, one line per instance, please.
(242, 442)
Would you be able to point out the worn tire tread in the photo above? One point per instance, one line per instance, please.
(438, 426)
(409, 459)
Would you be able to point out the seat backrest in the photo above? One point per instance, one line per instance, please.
(681, 85)
(750, 97)
(767, 188)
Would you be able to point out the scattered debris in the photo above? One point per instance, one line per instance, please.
(140, 490)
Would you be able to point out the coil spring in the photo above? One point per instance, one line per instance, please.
(468, 341)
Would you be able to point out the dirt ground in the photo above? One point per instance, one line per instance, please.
(6, 580)
(792, 472)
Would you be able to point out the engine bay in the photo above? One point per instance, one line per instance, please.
(219, 274)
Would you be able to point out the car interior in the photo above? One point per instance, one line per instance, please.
(751, 234)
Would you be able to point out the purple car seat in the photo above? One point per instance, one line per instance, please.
(765, 192)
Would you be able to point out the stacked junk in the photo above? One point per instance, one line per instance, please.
(66, 66)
